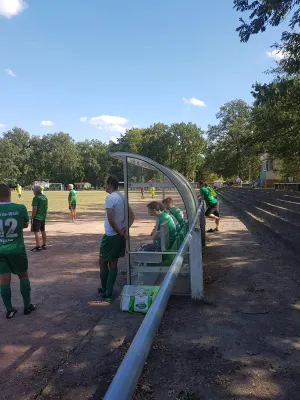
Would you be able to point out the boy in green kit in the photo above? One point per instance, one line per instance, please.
(175, 211)
(212, 205)
(13, 258)
(161, 216)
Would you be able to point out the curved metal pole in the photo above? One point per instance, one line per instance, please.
(127, 376)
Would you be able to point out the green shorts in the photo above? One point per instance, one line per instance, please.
(112, 247)
(13, 263)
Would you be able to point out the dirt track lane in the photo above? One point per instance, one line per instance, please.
(245, 344)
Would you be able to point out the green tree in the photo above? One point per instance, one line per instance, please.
(155, 143)
(186, 145)
(230, 151)
(95, 161)
(21, 140)
(61, 158)
(276, 118)
(9, 158)
(273, 13)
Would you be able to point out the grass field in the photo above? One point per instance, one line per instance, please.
(58, 201)
(87, 201)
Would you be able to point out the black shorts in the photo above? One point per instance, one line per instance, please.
(72, 207)
(38, 226)
(213, 210)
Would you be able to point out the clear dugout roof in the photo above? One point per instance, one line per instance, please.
(186, 191)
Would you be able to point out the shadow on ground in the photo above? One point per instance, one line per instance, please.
(244, 343)
(66, 348)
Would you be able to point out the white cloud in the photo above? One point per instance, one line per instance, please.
(276, 54)
(109, 123)
(114, 139)
(47, 123)
(10, 72)
(194, 102)
(10, 8)
(2, 126)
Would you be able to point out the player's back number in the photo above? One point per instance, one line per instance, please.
(11, 224)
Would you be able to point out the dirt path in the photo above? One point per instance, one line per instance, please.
(67, 345)
(245, 343)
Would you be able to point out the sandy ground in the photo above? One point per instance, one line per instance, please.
(244, 343)
(36, 350)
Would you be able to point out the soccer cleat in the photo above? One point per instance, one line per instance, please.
(36, 249)
(11, 314)
(29, 309)
(108, 299)
(44, 247)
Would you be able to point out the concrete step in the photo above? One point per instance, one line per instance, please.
(273, 205)
(282, 228)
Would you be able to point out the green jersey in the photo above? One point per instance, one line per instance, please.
(210, 200)
(41, 202)
(12, 219)
(178, 214)
(212, 191)
(164, 216)
(72, 197)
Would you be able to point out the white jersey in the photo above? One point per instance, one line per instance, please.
(116, 201)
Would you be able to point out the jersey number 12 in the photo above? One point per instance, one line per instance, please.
(12, 223)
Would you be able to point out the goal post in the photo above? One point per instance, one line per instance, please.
(54, 186)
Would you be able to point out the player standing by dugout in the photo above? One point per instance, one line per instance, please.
(72, 200)
(13, 258)
(212, 204)
(113, 242)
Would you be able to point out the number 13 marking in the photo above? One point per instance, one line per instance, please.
(12, 223)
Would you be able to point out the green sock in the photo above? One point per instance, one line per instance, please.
(103, 278)
(112, 276)
(6, 297)
(25, 292)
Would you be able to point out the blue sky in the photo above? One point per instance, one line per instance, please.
(95, 67)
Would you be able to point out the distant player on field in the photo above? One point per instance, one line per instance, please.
(38, 217)
(113, 242)
(72, 199)
(19, 190)
(152, 191)
(13, 257)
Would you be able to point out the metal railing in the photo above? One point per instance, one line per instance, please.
(129, 372)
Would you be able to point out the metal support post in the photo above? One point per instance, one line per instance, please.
(127, 254)
(196, 272)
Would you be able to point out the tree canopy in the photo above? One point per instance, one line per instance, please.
(57, 157)
(229, 152)
(272, 13)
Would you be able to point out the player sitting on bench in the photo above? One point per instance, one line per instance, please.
(154, 210)
(174, 211)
